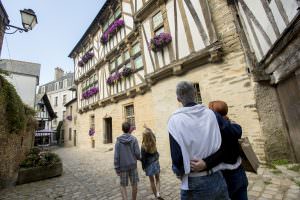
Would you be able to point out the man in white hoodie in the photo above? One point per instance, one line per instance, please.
(194, 134)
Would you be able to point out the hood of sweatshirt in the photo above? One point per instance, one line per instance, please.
(126, 138)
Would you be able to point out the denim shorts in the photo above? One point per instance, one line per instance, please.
(153, 169)
(210, 187)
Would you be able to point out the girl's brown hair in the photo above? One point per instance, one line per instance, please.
(149, 141)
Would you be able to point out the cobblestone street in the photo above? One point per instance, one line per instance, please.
(89, 174)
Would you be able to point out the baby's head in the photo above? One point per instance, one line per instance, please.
(219, 107)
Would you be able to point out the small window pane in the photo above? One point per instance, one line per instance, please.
(105, 26)
(120, 60)
(157, 20)
(136, 49)
(138, 62)
(127, 55)
(198, 97)
(118, 12)
(128, 65)
(111, 20)
(112, 65)
(159, 31)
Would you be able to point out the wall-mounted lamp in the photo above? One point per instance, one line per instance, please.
(29, 20)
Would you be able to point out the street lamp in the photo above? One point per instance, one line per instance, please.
(29, 20)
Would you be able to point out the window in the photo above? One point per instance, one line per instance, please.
(118, 12)
(71, 109)
(112, 65)
(119, 60)
(138, 62)
(55, 101)
(157, 20)
(92, 122)
(60, 84)
(65, 84)
(64, 99)
(128, 65)
(126, 55)
(136, 49)
(159, 31)
(112, 18)
(41, 125)
(129, 114)
(70, 133)
(198, 98)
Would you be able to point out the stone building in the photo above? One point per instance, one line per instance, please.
(269, 32)
(3, 21)
(70, 124)
(44, 135)
(59, 94)
(24, 76)
(133, 54)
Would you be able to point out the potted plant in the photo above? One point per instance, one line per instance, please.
(91, 134)
(112, 29)
(39, 165)
(160, 41)
(126, 72)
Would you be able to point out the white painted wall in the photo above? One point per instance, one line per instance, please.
(25, 86)
(60, 108)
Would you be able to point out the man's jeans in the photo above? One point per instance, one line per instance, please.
(237, 183)
(210, 187)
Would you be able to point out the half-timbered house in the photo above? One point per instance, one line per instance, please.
(270, 32)
(44, 115)
(133, 54)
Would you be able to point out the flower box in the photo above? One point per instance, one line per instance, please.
(115, 77)
(160, 41)
(27, 175)
(87, 56)
(112, 30)
(126, 72)
(89, 93)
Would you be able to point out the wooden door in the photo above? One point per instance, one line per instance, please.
(108, 130)
(289, 95)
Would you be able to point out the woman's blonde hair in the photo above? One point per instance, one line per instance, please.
(149, 141)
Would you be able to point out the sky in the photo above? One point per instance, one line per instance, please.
(61, 24)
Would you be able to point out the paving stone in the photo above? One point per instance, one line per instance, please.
(89, 174)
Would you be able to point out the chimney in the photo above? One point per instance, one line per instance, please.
(58, 73)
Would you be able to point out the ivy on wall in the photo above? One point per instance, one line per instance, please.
(14, 113)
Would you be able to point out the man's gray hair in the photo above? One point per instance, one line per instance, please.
(185, 92)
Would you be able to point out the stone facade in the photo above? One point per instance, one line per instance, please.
(70, 124)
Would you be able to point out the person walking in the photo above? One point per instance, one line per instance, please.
(150, 160)
(127, 152)
(194, 134)
(233, 172)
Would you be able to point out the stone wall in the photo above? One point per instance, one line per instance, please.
(13, 147)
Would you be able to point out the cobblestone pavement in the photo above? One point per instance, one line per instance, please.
(89, 174)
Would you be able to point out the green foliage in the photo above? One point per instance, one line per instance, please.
(6, 73)
(36, 158)
(295, 167)
(280, 162)
(16, 114)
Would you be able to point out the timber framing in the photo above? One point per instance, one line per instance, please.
(147, 9)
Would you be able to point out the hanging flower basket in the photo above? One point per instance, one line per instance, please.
(126, 72)
(85, 58)
(91, 132)
(69, 117)
(91, 92)
(113, 29)
(160, 41)
(114, 78)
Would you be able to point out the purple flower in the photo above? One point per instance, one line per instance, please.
(80, 63)
(89, 93)
(69, 117)
(126, 72)
(160, 41)
(112, 29)
(91, 132)
(109, 80)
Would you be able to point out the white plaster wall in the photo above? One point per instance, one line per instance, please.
(25, 86)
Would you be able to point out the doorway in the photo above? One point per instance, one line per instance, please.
(107, 130)
(75, 137)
